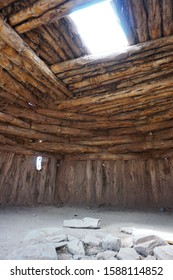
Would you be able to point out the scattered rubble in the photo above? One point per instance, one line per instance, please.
(72, 244)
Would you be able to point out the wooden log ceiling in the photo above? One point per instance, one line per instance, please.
(58, 99)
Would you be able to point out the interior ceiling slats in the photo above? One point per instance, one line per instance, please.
(56, 98)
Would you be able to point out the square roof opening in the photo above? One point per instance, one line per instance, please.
(99, 28)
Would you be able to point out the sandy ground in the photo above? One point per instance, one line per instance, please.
(16, 222)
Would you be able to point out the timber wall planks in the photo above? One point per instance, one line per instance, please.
(123, 184)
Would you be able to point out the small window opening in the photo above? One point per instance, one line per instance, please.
(99, 28)
(39, 163)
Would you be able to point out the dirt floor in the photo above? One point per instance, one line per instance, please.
(16, 222)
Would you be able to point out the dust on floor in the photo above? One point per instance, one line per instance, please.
(16, 222)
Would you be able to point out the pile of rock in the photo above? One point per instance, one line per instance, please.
(58, 243)
(55, 243)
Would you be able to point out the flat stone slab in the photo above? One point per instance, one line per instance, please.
(92, 240)
(164, 252)
(107, 255)
(84, 223)
(126, 230)
(45, 235)
(128, 254)
(110, 242)
(137, 239)
(76, 247)
(39, 251)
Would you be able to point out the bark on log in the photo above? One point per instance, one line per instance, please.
(61, 41)
(65, 131)
(14, 121)
(67, 115)
(167, 17)
(139, 90)
(49, 15)
(154, 18)
(34, 10)
(16, 42)
(24, 64)
(140, 19)
(11, 85)
(105, 156)
(130, 54)
(30, 134)
(62, 148)
(21, 75)
(4, 3)
(12, 99)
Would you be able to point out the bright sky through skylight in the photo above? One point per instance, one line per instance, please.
(99, 28)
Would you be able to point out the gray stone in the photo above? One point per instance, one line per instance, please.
(111, 242)
(92, 240)
(45, 235)
(164, 252)
(80, 257)
(84, 223)
(61, 247)
(128, 254)
(92, 250)
(138, 239)
(149, 257)
(126, 230)
(76, 247)
(127, 242)
(146, 248)
(41, 251)
(64, 256)
(107, 255)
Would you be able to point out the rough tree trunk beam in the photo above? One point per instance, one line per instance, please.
(43, 14)
(9, 36)
(4, 3)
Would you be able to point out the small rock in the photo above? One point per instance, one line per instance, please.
(164, 252)
(128, 254)
(107, 255)
(64, 256)
(92, 240)
(126, 230)
(80, 257)
(76, 247)
(41, 251)
(146, 248)
(127, 242)
(138, 239)
(149, 257)
(92, 250)
(111, 242)
(61, 247)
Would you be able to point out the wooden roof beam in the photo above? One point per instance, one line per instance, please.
(44, 12)
(5, 3)
(9, 36)
(128, 54)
